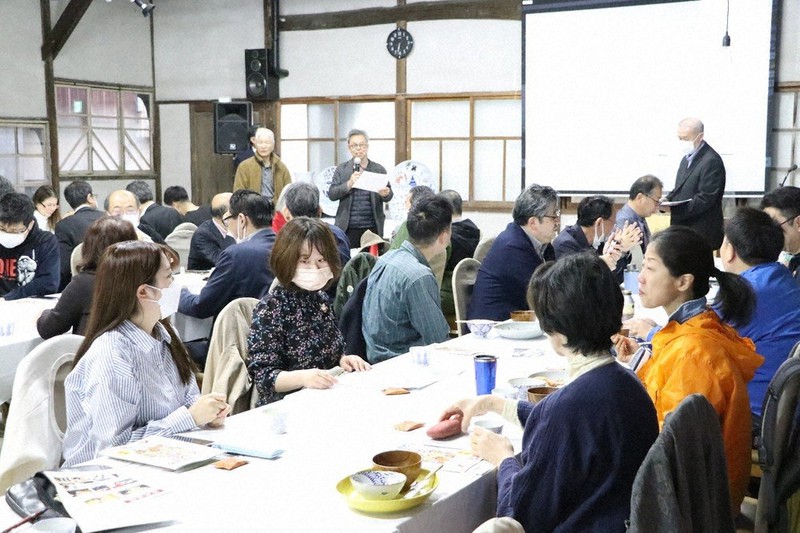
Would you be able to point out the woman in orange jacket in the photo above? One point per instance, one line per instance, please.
(696, 352)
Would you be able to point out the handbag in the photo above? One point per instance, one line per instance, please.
(33, 495)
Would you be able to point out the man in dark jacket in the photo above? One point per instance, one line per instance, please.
(162, 219)
(211, 236)
(71, 230)
(29, 263)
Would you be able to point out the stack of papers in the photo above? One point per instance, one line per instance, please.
(163, 452)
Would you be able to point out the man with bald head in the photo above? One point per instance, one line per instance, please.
(263, 173)
(701, 181)
(125, 205)
(211, 236)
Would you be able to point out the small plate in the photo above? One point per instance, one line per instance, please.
(519, 330)
(551, 375)
(401, 503)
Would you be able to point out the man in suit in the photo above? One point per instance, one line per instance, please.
(71, 230)
(503, 277)
(701, 181)
(177, 198)
(242, 269)
(211, 236)
(162, 219)
(123, 204)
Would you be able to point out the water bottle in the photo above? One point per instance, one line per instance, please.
(631, 279)
(628, 305)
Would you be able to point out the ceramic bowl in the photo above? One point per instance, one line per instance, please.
(493, 425)
(523, 316)
(480, 327)
(405, 462)
(519, 330)
(521, 385)
(551, 378)
(378, 485)
(537, 394)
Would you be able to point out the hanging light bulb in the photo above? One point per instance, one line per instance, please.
(145, 7)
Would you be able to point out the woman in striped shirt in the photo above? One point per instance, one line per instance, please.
(133, 377)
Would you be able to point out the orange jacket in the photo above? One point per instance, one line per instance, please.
(705, 356)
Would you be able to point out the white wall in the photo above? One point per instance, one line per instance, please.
(22, 79)
(176, 153)
(111, 44)
(789, 55)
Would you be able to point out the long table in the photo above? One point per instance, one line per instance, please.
(334, 433)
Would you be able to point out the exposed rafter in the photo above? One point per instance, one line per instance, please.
(55, 39)
(416, 11)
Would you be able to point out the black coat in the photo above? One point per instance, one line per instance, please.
(70, 232)
(207, 243)
(162, 219)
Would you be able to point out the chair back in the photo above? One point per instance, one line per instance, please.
(226, 366)
(464, 276)
(75, 259)
(180, 240)
(482, 249)
(779, 448)
(37, 418)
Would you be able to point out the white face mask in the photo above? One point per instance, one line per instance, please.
(312, 279)
(687, 147)
(12, 240)
(170, 298)
(237, 236)
(785, 258)
(133, 218)
(598, 238)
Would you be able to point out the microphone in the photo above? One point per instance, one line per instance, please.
(357, 164)
(791, 169)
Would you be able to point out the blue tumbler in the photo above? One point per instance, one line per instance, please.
(485, 372)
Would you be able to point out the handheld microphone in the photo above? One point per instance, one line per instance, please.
(791, 169)
(357, 164)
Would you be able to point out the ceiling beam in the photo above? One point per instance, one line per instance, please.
(441, 10)
(55, 39)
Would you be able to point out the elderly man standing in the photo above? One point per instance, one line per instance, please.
(701, 181)
(503, 277)
(264, 173)
(402, 308)
(359, 210)
(211, 236)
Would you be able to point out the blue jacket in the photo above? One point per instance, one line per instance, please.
(32, 268)
(503, 277)
(241, 270)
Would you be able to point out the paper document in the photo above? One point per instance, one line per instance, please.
(372, 181)
(162, 452)
(678, 202)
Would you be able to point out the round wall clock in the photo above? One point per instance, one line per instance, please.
(399, 43)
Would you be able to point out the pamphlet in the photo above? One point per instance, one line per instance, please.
(371, 181)
(452, 459)
(163, 452)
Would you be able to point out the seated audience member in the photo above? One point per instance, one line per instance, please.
(211, 236)
(46, 213)
(70, 230)
(464, 238)
(162, 219)
(302, 200)
(402, 305)
(5, 186)
(263, 173)
(72, 310)
(294, 339)
(643, 201)
(783, 205)
(751, 247)
(515, 254)
(696, 352)
(125, 205)
(242, 269)
(132, 377)
(29, 264)
(587, 439)
(177, 198)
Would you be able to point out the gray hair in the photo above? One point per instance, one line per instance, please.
(535, 201)
(354, 132)
(265, 132)
(302, 199)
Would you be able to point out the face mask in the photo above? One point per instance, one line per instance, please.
(785, 258)
(12, 240)
(237, 237)
(598, 238)
(170, 298)
(312, 279)
(133, 218)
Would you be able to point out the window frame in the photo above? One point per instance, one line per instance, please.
(45, 156)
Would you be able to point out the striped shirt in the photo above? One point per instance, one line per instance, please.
(126, 387)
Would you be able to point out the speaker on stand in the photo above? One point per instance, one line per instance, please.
(231, 123)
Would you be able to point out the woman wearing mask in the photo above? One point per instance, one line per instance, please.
(294, 337)
(72, 309)
(696, 352)
(47, 215)
(133, 377)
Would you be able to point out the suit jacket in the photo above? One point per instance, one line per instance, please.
(503, 277)
(162, 219)
(70, 232)
(241, 270)
(703, 182)
(199, 215)
(207, 243)
(339, 191)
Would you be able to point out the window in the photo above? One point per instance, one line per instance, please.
(786, 136)
(103, 131)
(23, 155)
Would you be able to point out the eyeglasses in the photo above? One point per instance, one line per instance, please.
(358, 146)
(554, 217)
(790, 219)
(225, 220)
(656, 200)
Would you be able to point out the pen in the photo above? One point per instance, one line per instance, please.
(29, 518)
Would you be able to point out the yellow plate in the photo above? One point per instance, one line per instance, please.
(401, 503)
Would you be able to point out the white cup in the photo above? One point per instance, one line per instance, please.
(419, 355)
(55, 525)
(493, 425)
(278, 419)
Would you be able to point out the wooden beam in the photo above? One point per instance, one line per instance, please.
(442, 10)
(50, 99)
(55, 39)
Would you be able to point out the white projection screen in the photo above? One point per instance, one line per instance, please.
(604, 90)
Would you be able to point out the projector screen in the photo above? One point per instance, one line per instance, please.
(605, 88)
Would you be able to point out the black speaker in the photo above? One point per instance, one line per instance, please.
(262, 84)
(231, 122)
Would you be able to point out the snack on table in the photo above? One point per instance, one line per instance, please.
(445, 428)
(394, 391)
(408, 425)
(229, 463)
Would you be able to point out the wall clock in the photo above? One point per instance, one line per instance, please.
(399, 43)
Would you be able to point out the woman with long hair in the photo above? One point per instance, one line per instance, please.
(697, 352)
(132, 376)
(46, 213)
(294, 337)
(72, 310)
